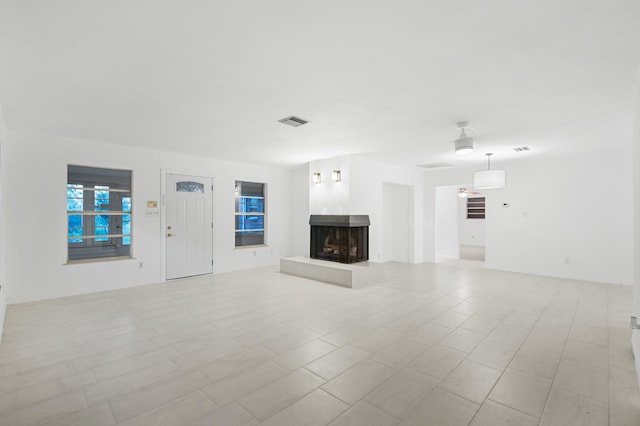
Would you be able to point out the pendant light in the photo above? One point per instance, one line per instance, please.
(489, 179)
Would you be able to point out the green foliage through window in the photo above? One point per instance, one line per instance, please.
(98, 212)
(250, 213)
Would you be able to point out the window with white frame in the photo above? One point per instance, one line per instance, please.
(98, 213)
(250, 213)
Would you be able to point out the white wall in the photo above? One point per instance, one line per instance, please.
(3, 306)
(361, 192)
(447, 239)
(3, 310)
(366, 197)
(397, 207)
(635, 339)
(577, 211)
(329, 197)
(386, 251)
(577, 208)
(300, 211)
(35, 215)
(279, 208)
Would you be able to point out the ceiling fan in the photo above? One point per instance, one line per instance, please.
(464, 192)
(464, 144)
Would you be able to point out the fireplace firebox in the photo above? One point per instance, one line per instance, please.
(340, 238)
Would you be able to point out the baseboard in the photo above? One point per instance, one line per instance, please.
(3, 309)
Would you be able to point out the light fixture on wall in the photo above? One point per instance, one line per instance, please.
(316, 177)
(489, 179)
(464, 144)
(336, 176)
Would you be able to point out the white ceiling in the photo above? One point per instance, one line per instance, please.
(388, 79)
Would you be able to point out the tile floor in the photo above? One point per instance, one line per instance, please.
(434, 344)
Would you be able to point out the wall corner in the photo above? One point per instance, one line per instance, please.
(635, 337)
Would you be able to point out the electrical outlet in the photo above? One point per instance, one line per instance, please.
(140, 265)
(567, 260)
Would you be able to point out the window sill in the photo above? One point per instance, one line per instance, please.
(98, 260)
(250, 247)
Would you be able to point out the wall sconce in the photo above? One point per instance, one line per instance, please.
(336, 176)
(316, 177)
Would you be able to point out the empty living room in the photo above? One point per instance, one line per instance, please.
(319, 213)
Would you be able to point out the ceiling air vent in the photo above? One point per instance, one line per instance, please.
(521, 148)
(293, 121)
(434, 165)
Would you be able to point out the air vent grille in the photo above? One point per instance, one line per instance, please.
(293, 121)
(521, 148)
(434, 165)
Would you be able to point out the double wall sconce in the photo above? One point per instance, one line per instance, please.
(336, 176)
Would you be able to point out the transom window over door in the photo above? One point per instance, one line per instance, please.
(98, 213)
(250, 213)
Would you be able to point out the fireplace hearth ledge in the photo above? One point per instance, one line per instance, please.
(351, 275)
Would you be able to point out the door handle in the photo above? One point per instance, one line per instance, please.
(169, 235)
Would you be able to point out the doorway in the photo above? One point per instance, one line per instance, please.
(189, 226)
(459, 230)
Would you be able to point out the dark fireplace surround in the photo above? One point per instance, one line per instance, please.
(340, 238)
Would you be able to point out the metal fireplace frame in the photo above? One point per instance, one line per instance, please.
(351, 233)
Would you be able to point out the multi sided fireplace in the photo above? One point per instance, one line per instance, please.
(340, 238)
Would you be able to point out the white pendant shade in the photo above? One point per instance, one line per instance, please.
(489, 179)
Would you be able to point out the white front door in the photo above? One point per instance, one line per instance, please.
(189, 227)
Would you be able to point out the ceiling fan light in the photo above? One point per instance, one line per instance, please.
(463, 146)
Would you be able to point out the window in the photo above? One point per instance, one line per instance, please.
(188, 186)
(250, 213)
(98, 213)
(475, 208)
